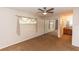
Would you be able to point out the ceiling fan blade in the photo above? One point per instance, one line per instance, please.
(50, 9)
(41, 10)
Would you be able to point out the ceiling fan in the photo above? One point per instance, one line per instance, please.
(44, 10)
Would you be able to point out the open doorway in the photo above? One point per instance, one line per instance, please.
(53, 27)
(65, 23)
(67, 27)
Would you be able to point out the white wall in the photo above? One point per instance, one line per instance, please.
(75, 36)
(8, 27)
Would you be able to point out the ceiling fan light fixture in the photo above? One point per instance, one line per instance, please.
(45, 10)
(44, 13)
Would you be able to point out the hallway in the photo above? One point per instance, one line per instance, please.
(45, 42)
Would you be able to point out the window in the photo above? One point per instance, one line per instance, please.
(26, 25)
(52, 25)
(27, 20)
